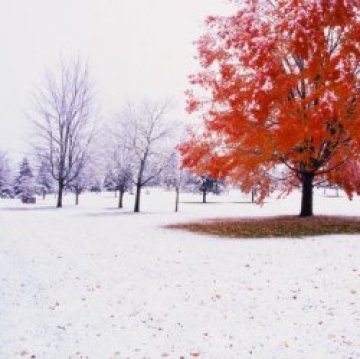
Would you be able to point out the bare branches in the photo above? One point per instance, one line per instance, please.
(145, 131)
(64, 120)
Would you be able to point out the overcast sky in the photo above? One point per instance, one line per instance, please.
(135, 49)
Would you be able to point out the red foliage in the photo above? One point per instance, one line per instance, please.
(282, 80)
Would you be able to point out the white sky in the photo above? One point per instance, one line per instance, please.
(135, 49)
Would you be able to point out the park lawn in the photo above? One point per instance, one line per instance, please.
(93, 281)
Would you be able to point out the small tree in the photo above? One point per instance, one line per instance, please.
(24, 183)
(209, 185)
(44, 180)
(206, 186)
(123, 172)
(79, 184)
(189, 181)
(5, 176)
(109, 180)
(172, 177)
(95, 185)
(119, 159)
(124, 182)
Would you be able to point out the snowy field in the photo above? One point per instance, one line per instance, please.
(97, 282)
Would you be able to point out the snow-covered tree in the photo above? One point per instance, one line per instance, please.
(122, 171)
(109, 180)
(190, 182)
(5, 176)
(119, 159)
(65, 119)
(88, 177)
(44, 180)
(94, 184)
(79, 184)
(172, 176)
(146, 132)
(24, 187)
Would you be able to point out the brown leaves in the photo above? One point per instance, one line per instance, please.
(269, 227)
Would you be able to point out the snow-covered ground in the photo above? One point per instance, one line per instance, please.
(97, 282)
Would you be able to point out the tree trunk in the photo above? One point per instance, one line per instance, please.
(137, 198)
(60, 194)
(44, 195)
(76, 198)
(120, 202)
(307, 195)
(204, 196)
(139, 185)
(253, 194)
(177, 198)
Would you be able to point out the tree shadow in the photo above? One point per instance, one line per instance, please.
(26, 209)
(219, 203)
(118, 212)
(111, 212)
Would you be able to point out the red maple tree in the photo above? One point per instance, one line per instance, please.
(278, 96)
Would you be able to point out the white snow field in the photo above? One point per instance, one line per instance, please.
(97, 282)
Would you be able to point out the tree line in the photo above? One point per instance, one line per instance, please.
(75, 151)
(73, 148)
(30, 182)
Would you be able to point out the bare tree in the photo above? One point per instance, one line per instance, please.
(119, 174)
(44, 180)
(172, 176)
(117, 159)
(65, 122)
(123, 171)
(5, 176)
(88, 176)
(79, 184)
(146, 131)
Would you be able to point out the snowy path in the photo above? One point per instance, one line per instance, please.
(93, 282)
